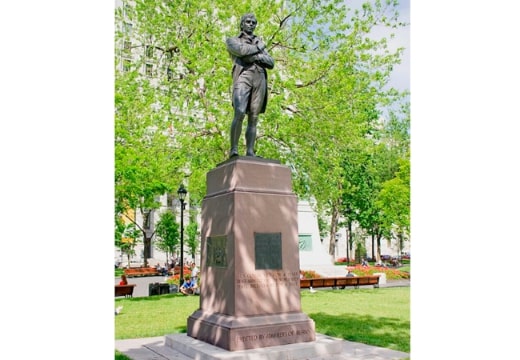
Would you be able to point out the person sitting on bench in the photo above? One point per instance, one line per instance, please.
(123, 281)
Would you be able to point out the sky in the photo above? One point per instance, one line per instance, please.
(57, 136)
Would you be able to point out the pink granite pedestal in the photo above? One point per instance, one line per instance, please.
(250, 279)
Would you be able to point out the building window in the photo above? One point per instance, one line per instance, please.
(127, 11)
(126, 65)
(305, 242)
(127, 28)
(149, 51)
(127, 46)
(149, 69)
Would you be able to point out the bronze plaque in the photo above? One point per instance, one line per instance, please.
(216, 251)
(268, 251)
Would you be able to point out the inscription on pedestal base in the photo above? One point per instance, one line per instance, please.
(241, 333)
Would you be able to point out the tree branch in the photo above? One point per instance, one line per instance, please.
(312, 82)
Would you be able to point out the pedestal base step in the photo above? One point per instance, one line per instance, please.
(196, 349)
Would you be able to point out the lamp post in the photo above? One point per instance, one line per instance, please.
(182, 195)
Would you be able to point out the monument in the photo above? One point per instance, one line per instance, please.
(250, 290)
(250, 269)
(250, 275)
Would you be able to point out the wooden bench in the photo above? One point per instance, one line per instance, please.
(141, 271)
(340, 282)
(177, 270)
(125, 290)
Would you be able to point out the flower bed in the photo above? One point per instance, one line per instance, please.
(391, 274)
(174, 279)
(310, 274)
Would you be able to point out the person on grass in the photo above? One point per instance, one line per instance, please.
(188, 287)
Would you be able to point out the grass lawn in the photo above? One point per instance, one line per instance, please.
(379, 317)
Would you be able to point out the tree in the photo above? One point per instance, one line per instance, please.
(144, 157)
(192, 238)
(335, 105)
(128, 241)
(325, 94)
(394, 202)
(167, 233)
(389, 152)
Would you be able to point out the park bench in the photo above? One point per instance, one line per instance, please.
(125, 290)
(340, 282)
(141, 271)
(177, 269)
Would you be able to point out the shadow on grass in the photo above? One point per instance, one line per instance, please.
(383, 332)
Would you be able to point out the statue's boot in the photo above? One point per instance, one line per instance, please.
(251, 137)
(236, 129)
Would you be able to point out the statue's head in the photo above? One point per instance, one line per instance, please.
(248, 22)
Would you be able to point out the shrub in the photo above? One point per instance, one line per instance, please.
(310, 274)
(343, 260)
(391, 274)
(174, 279)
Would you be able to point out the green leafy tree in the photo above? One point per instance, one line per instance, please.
(336, 103)
(394, 201)
(389, 153)
(358, 184)
(146, 164)
(128, 240)
(192, 239)
(167, 233)
(325, 94)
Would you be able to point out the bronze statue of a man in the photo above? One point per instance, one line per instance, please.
(250, 61)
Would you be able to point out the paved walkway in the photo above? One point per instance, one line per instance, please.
(142, 284)
(155, 349)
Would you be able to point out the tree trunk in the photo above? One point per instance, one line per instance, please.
(401, 237)
(333, 229)
(147, 248)
(349, 239)
(148, 231)
(346, 237)
(373, 247)
(378, 246)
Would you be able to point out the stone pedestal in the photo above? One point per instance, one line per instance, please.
(250, 284)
